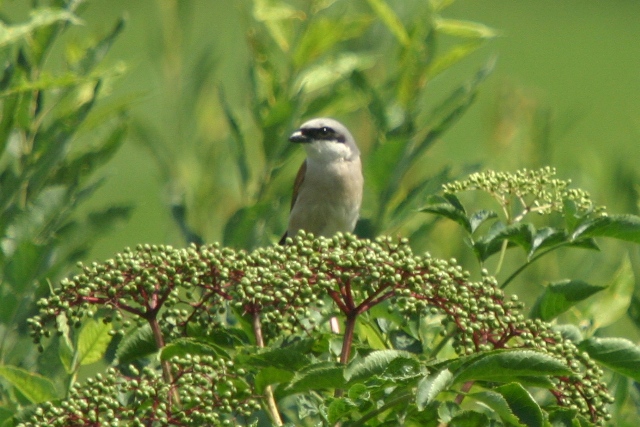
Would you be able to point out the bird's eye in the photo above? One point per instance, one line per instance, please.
(324, 131)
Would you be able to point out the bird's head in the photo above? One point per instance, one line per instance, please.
(326, 140)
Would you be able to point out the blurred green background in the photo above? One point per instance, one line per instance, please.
(576, 62)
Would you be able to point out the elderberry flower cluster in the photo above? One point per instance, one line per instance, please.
(210, 392)
(535, 190)
(286, 287)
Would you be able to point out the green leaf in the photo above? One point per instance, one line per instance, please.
(338, 409)
(522, 404)
(331, 71)
(618, 354)
(613, 302)
(374, 364)
(245, 228)
(499, 405)
(291, 357)
(320, 376)
(507, 366)
(468, 29)
(10, 34)
(391, 20)
(518, 233)
(558, 297)
(136, 345)
(269, 375)
(430, 386)
(443, 207)
(623, 227)
(27, 262)
(545, 238)
(479, 218)
(469, 419)
(238, 142)
(34, 387)
(93, 340)
(323, 33)
(381, 163)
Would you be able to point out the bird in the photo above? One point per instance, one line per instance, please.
(327, 192)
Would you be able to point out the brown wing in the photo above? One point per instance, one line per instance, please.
(298, 182)
(296, 187)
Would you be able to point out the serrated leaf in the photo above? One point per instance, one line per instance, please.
(499, 405)
(135, 345)
(374, 363)
(522, 404)
(623, 227)
(506, 366)
(292, 357)
(617, 354)
(321, 376)
(34, 387)
(430, 386)
(93, 340)
(558, 297)
(613, 302)
(269, 375)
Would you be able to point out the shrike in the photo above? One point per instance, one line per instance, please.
(327, 192)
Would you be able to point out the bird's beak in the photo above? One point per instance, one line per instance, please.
(298, 136)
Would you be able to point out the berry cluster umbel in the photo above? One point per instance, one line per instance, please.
(287, 286)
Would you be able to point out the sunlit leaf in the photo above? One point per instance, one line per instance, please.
(321, 376)
(430, 386)
(34, 387)
(374, 363)
(329, 72)
(39, 18)
(93, 340)
(499, 404)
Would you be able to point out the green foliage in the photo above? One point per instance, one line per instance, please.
(50, 148)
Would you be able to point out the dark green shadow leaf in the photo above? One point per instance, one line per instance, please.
(558, 297)
(617, 354)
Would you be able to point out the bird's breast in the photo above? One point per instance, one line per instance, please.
(329, 199)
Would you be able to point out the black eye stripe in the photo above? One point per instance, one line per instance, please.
(323, 133)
